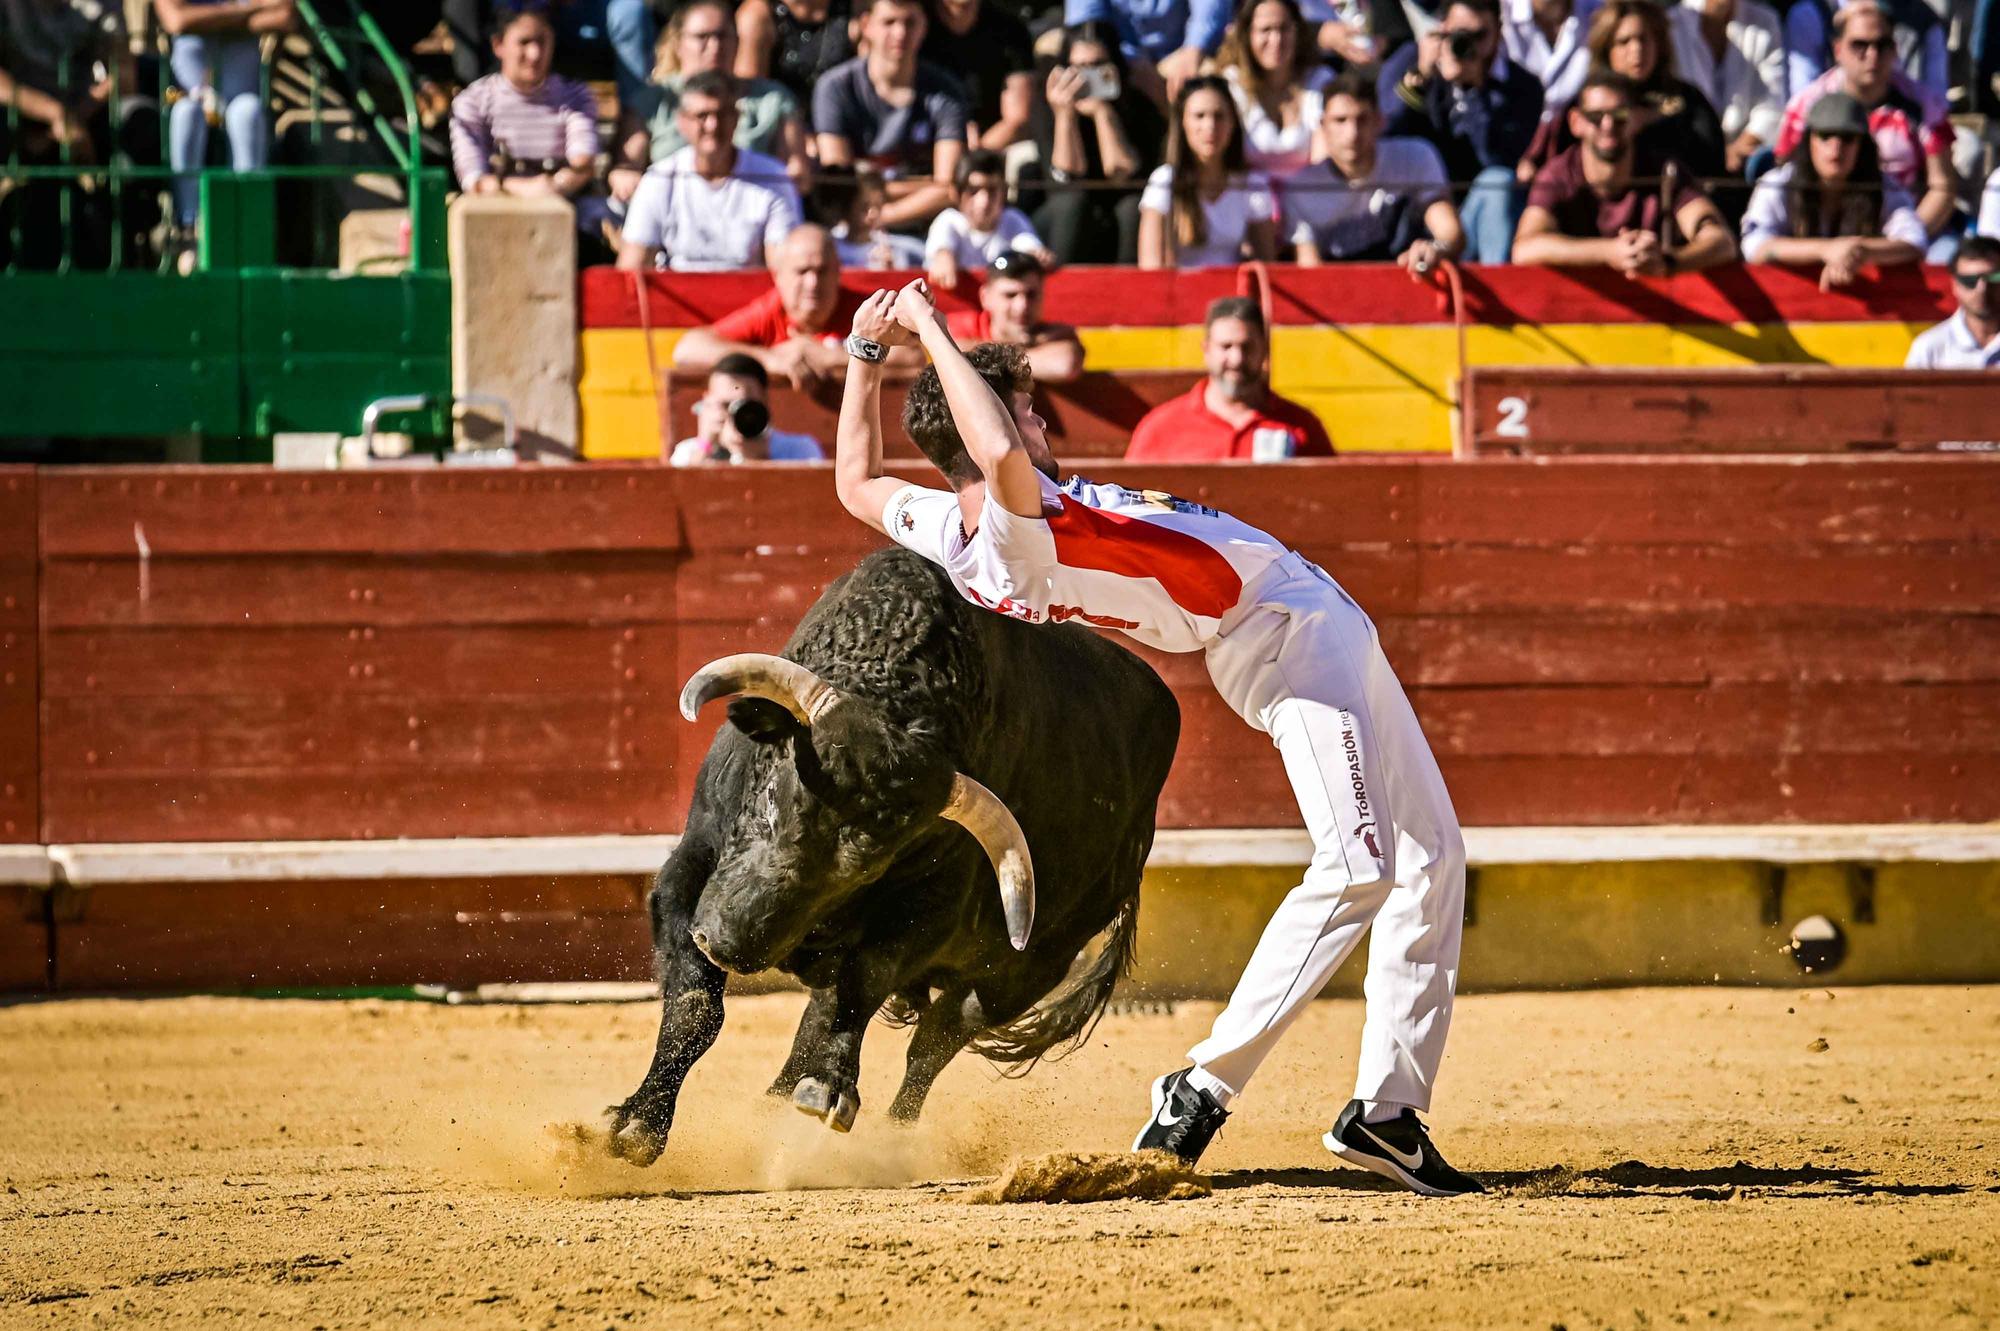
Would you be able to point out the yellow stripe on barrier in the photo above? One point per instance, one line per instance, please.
(1380, 387)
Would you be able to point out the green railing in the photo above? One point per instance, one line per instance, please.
(242, 347)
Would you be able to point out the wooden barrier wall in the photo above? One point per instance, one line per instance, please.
(242, 654)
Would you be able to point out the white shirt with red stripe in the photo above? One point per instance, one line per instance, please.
(1162, 569)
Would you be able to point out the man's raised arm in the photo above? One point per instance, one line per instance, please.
(857, 451)
(985, 423)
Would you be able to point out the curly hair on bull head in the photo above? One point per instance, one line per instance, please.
(927, 416)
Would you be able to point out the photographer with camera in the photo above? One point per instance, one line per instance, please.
(1455, 88)
(733, 421)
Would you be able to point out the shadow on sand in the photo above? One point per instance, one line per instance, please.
(1630, 1178)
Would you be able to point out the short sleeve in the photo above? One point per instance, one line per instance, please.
(646, 219)
(836, 111)
(922, 519)
(785, 212)
(949, 112)
(1259, 204)
(1158, 196)
(580, 129)
(1424, 174)
(943, 237)
(1547, 191)
(758, 324)
(1018, 232)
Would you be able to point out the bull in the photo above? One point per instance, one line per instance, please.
(923, 806)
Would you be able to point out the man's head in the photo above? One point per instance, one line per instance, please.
(523, 43)
(1351, 125)
(719, 420)
(699, 37)
(706, 115)
(806, 270)
(1601, 118)
(1468, 38)
(928, 421)
(894, 29)
(1864, 45)
(1236, 349)
(1011, 295)
(981, 188)
(1973, 274)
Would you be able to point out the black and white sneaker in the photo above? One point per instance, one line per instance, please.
(1398, 1149)
(1184, 1118)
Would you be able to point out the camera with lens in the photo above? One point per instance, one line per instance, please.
(1464, 46)
(751, 418)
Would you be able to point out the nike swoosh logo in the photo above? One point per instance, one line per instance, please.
(1413, 1160)
(1167, 1118)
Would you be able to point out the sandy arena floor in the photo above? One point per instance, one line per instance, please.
(1658, 1157)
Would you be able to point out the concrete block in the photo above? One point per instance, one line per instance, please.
(513, 315)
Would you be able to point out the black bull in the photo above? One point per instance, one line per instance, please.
(817, 843)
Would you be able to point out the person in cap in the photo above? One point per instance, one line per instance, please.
(1828, 203)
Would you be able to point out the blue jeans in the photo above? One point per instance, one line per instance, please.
(1491, 211)
(626, 25)
(237, 67)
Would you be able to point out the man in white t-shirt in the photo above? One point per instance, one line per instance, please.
(733, 421)
(1970, 339)
(711, 207)
(1372, 198)
(1288, 649)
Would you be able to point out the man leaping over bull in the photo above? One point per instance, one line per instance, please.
(1287, 648)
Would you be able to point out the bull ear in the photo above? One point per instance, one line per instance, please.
(761, 719)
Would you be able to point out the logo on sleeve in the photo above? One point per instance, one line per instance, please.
(905, 521)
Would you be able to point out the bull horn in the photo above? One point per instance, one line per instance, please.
(787, 683)
(980, 812)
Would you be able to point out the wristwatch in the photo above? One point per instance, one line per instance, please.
(862, 348)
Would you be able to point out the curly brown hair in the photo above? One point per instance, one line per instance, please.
(927, 416)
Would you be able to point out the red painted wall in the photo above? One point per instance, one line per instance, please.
(498, 653)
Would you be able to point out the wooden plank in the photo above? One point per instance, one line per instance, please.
(98, 512)
(24, 940)
(1790, 408)
(259, 592)
(20, 660)
(92, 737)
(1760, 501)
(368, 932)
(1940, 577)
(520, 660)
(1605, 647)
(282, 805)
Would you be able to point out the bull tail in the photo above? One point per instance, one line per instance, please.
(1064, 1020)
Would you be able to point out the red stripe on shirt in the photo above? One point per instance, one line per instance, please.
(1199, 579)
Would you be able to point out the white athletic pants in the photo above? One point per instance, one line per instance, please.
(1306, 667)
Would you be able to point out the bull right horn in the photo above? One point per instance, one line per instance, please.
(787, 683)
(981, 812)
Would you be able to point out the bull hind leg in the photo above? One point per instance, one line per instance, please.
(944, 1029)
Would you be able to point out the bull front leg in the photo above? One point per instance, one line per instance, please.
(827, 1051)
(814, 1028)
(691, 1010)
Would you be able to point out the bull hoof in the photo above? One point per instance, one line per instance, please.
(633, 1140)
(834, 1108)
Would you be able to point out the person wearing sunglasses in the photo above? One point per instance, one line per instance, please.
(1828, 203)
(1918, 30)
(1910, 125)
(1602, 202)
(1970, 339)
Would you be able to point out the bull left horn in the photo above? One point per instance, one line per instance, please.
(980, 812)
(787, 683)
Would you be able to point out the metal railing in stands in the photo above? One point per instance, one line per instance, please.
(116, 176)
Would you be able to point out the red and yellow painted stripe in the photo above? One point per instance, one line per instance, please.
(1372, 351)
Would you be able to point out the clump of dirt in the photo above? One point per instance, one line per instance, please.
(1068, 1176)
(1552, 1182)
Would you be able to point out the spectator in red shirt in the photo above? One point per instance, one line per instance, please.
(1232, 413)
(796, 328)
(1010, 311)
(1599, 201)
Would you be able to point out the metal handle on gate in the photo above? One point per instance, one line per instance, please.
(384, 406)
